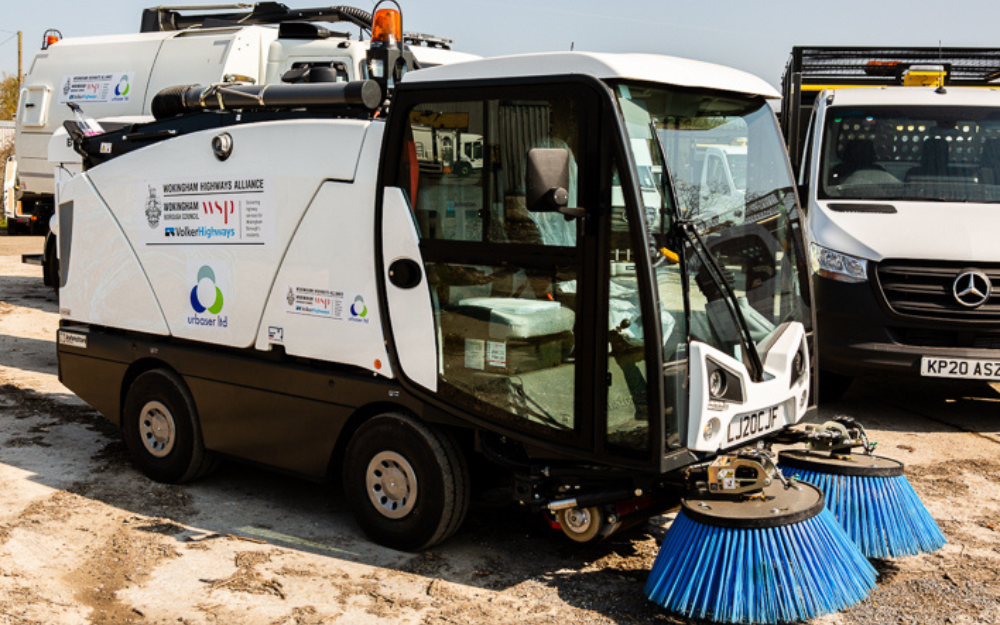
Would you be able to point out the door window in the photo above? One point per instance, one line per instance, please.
(628, 401)
(503, 280)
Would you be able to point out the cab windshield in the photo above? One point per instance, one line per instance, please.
(928, 153)
(730, 177)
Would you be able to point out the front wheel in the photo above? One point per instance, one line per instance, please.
(161, 429)
(406, 482)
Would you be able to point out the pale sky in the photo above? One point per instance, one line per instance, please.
(752, 35)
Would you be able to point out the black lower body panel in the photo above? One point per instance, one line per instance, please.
(276, 412)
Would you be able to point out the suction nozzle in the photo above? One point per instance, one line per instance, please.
(363, 94)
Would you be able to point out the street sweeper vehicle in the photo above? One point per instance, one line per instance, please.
(115, 77)
(898, 153)
(278, 280)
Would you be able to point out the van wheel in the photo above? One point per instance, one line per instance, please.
(406, 482)
(161, 429)
(832, 386)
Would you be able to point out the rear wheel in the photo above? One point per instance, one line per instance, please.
(161, 429)
(832, 386)
(406, 482)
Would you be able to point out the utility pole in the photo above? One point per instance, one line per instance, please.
(20, 75)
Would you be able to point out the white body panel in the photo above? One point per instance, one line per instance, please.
(326, 270)
(776, 391)
(105, 283)
(409, 309)
(916, 230)
(312, 234)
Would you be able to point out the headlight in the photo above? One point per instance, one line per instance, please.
(837, 266)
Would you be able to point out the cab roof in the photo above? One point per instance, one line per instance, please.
(654, 68)
(915, 96)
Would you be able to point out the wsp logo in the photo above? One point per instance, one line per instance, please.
(216, 207)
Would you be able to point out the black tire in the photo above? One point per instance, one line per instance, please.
(161, 428)
(463, 169)
(50, 268)
(407, 483)
(833, 386)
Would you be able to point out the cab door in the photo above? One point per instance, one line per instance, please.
(490, 311)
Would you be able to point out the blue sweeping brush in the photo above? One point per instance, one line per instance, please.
(757, 555)
(872, 500)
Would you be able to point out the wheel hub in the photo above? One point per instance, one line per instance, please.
(578, 520)
(156, 429)
(392, 484)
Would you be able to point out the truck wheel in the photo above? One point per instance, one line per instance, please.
(463, 168)
(581, 524)
(161, 429)
(406, 483)
(832, 386)
(50, 269)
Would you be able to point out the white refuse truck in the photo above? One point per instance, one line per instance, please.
(899, 160)
(117, 76)
(277, 280)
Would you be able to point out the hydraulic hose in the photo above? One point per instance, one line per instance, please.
(359, 17)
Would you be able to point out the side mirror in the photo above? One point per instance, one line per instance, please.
(546, 181)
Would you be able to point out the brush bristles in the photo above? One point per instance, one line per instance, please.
(771, 575)
(883, 515)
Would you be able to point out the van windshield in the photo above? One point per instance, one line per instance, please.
(939, 153)
(730, 176)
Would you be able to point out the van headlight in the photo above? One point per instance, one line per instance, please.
(837, 266)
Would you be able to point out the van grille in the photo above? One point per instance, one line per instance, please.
(924, 289)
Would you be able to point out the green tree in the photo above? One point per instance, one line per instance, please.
(8, 96)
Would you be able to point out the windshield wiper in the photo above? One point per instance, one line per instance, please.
(690, 229)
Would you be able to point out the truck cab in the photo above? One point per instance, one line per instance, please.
(898, 177)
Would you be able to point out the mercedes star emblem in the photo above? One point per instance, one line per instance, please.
(972, 289)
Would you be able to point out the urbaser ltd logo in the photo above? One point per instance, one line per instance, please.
(121, 89)
(359, 310)
(207, 300)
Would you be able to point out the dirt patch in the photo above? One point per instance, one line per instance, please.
(247, 578)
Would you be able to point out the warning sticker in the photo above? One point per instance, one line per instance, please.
(314, 302)
(728, 477)
(210, 211)
(97, 88)
(496, 353)
(475, 354)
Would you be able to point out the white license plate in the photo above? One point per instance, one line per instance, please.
(963, 368)
(750, 425)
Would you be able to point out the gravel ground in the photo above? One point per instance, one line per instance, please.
(84, 538)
